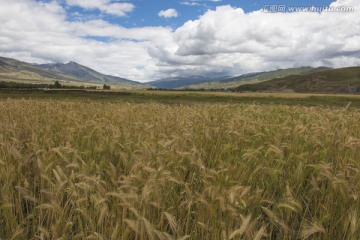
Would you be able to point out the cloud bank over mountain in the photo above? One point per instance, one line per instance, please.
(225, 40)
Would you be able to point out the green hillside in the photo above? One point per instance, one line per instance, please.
(342, 80)
(254, 78)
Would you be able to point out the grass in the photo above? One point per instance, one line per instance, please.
(88, 169)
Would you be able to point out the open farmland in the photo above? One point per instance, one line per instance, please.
(187, 97)
(86, 169)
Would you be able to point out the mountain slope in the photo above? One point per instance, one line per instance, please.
(71, 73)
(254, 78)
(178, 82)
(83, 73)
(342, 80)
(11, 69)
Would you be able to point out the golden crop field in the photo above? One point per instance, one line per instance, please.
(73, 169)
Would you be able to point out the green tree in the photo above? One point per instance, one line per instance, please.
(57, 84)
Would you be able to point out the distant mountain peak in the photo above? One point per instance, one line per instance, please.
(72, 63)
(84, 73)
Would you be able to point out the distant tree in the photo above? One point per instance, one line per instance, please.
(57, 84)
(106, 87)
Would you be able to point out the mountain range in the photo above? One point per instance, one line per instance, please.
(70, 73)
(302, 79)
(83, 73)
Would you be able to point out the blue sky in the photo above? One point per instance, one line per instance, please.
(146, 12)
(147, 40)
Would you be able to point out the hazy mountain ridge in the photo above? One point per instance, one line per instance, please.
(180, 82)
(341, 80)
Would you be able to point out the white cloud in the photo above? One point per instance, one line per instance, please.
(221, 41)
(88, 4)
(169, 13)
(198, 2)
(105, 6)
(230, 41)
(190, 3)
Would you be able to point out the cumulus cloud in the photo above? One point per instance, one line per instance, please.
(169, 13)
(228, 40)
(105, 6)
(223, 41)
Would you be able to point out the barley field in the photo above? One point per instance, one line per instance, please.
(73, 169)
